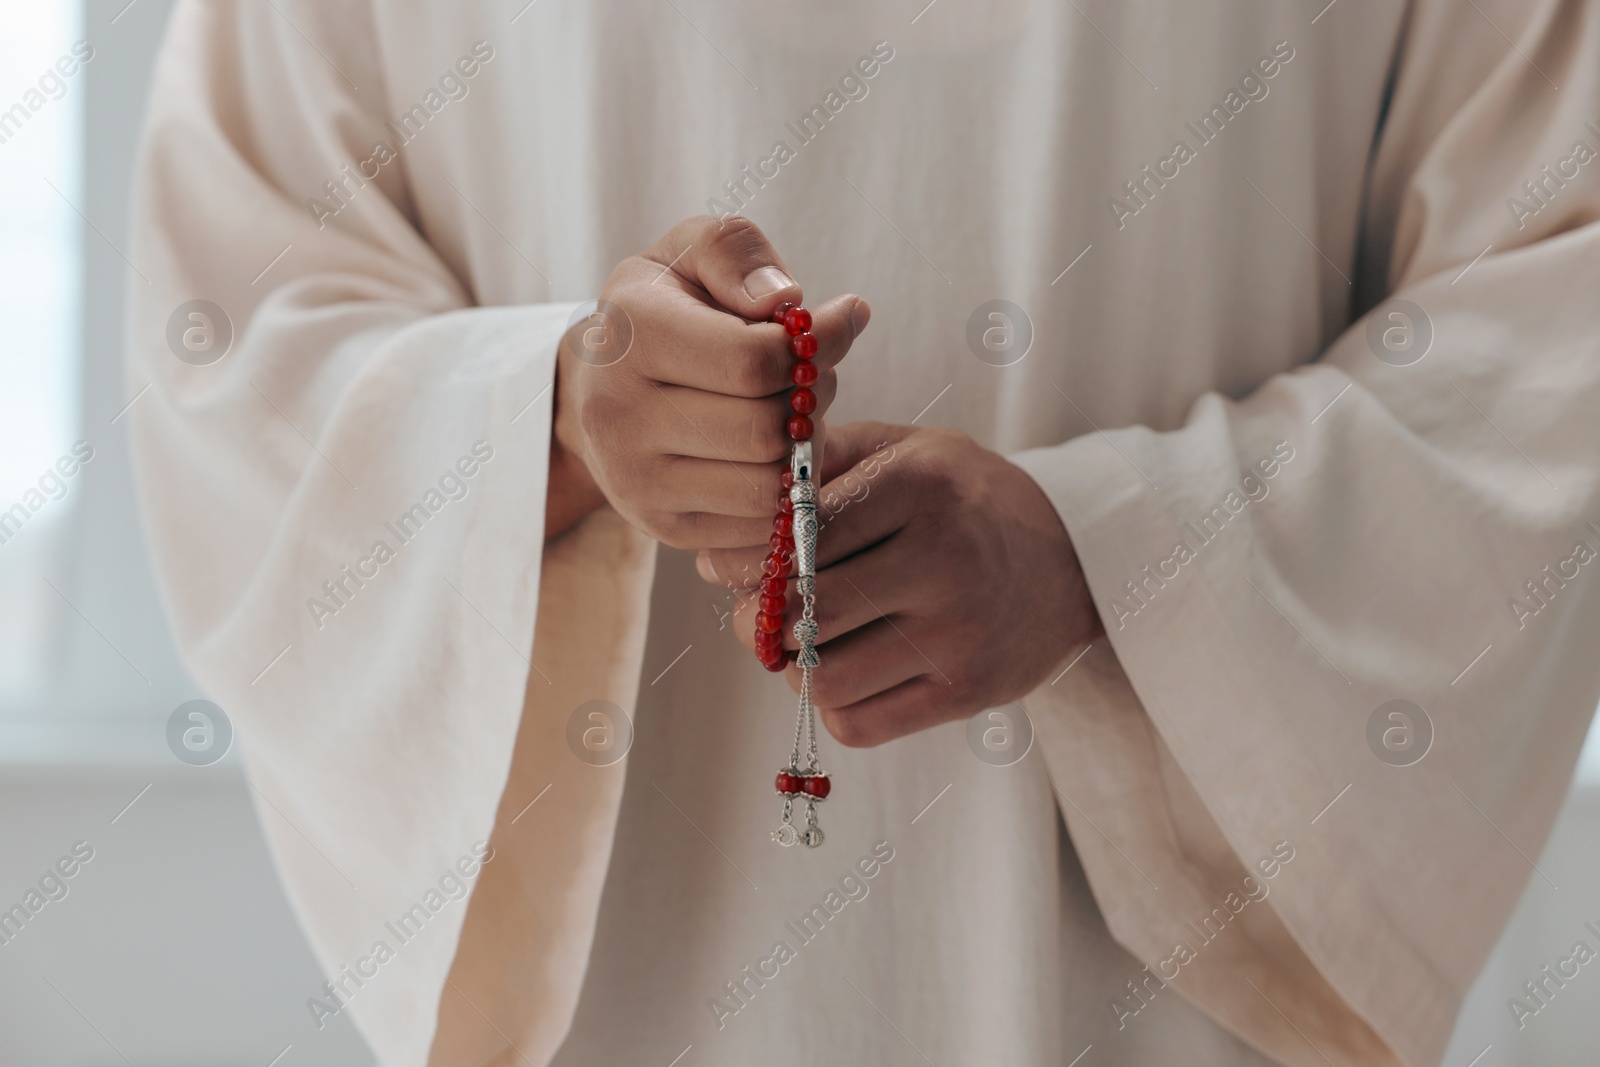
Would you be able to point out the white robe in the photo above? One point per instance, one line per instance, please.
(1194, 323)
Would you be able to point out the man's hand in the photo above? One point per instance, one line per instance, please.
(683, 434)
(946, 583)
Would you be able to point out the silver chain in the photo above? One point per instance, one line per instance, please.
(804, 498)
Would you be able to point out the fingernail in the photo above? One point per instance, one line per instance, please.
(702, 563)
(860, 315)
(766, 281)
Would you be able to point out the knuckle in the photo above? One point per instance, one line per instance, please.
(768, 488)
(679, 529)
(748, 374)
(691, 230)
(764, 438)
(826, 387)
(601, 420)
(964, 682)
(734, 236)
(826, 690)
(631, 482)
(652, 521)
(850, 729)
(960, 685)
(926, 464)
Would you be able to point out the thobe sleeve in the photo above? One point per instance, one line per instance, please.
(1277, 569)
(346, 508)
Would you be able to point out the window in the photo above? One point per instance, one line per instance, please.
(40, 292)
(87, 669)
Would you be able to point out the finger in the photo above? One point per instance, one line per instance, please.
(716, 426)
(738, 567)
(715, 486)
(732, 260)
(863, 507)
(856, 510)
(677, 338)
(851, 596)
(695, 530)
(864, 663)
(835, 324)
(849, 443)
(856, 593)
(913, 705)
(693, 345)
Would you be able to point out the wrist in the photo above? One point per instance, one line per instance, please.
(573, 492)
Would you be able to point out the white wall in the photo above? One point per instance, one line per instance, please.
(173, 945)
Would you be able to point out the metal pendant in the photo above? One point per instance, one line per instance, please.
(804, 780)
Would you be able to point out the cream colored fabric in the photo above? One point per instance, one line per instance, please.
(1175, 349)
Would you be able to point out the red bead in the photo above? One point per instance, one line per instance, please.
(785, 505)
(782, 312)
(805, 374)
(803, 401)
(787, 477)
(776, 665)
(787, 783)
(774, 605)
(773, 565)
(770, 623)
(800, 428)
(765, 642)
(774, 586)
(804, 345)
(797, 321)
(815, 785)
(783, 524)
(783, 546)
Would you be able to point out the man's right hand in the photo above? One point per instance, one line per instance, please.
(683, 434)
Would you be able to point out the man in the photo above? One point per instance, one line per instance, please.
(1229, 379)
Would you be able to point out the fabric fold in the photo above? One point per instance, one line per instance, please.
(343, 469)
(1268, 574)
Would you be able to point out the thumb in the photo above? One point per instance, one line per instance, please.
(732, 260)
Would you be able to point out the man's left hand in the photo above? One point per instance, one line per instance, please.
(946, 583)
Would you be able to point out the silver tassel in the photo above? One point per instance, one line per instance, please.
(803, 495)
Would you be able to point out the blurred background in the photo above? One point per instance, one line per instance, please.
(174, 944)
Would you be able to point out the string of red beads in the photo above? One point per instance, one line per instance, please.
(796, 321)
